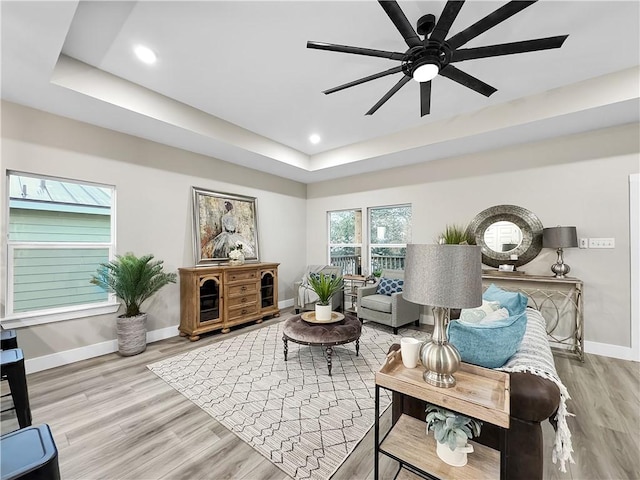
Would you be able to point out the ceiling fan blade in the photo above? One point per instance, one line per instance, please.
(448, 15)
(356, 50)
(389, 94)
(425, 98)
(399, 19)
(508, 48)
(490, 21)
(467, 80)
(365, 79)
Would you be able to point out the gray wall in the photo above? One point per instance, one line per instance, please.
(581, 180)
(153, 200)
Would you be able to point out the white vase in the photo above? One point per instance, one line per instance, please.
(455, 458)
(323, 312)
(236, 257)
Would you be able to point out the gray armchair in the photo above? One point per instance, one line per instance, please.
(391, 310)
(306, 298)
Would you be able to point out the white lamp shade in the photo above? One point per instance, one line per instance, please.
(443, 275)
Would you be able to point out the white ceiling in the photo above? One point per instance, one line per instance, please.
(234, 79)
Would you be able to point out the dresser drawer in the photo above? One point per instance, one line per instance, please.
(248, 299)
(241, 311)
(240, 276)
(243, 289)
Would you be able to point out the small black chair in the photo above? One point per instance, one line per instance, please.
(13, 371)
(29, 454)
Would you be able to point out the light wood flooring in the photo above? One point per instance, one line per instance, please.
(113, 419)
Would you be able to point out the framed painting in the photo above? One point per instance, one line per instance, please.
(222, 222)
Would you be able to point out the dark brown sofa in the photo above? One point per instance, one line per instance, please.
(533, 400)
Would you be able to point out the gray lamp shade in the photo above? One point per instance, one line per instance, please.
(443, 275)
(559, 237)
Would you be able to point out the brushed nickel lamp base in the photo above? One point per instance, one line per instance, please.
(560, 269)
(440, 358)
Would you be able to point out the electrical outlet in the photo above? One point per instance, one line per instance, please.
(584, 243)
(602, 243)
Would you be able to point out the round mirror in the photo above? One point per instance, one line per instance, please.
(503, 236)
(507, 234)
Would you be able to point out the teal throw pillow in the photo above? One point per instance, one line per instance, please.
(490, 344)
(514, 302)
(387, 286)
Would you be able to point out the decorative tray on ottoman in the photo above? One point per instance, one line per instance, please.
(311, 317)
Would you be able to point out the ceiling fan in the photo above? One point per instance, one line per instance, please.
(433, 55)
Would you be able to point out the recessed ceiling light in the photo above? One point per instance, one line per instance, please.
(315, 138)
(145, 54)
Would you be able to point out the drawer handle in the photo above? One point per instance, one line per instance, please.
(244, 310)
(244, 287)
(244, 299)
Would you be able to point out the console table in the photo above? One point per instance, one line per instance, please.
(559, 300)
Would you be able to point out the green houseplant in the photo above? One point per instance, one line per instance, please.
(325, 286)
(133, 280)
(455, 235)
(451, 431)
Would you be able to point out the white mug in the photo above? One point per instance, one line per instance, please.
(410, 348)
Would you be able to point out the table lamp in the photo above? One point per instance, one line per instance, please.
(560, 237)
(443, 276)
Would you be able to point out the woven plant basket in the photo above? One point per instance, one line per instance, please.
(132, 334)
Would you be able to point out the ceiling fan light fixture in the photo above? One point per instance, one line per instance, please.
(425, 72)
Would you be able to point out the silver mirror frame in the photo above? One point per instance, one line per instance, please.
(529, 224)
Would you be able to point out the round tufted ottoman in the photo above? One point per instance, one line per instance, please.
(324, 335)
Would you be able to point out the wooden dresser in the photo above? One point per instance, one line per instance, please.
(219, 297)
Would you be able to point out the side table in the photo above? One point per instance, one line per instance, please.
(480, 393)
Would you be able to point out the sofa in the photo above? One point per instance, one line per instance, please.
(533, 400)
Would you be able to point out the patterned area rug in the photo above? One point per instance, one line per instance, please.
(293, 412)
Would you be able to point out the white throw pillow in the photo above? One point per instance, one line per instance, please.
(499, 314)
(475, 315)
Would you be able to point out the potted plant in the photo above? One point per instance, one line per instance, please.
(455, 235)
(133, 280)
(325, 286)
(451, 431)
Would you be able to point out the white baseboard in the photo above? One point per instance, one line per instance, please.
(612, 351)
(66, 357)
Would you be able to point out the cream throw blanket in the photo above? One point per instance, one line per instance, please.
(531, 358)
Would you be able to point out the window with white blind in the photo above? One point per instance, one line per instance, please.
(59, 231)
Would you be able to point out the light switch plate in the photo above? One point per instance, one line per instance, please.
(602, 243)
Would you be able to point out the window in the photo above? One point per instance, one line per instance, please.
(59, 231)
(389, 233)
(345, 240)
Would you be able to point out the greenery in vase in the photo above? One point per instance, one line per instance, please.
(449, 427)
(325, 286)
(133, 279)
(455, 235)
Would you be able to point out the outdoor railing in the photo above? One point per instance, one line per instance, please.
(352, 264)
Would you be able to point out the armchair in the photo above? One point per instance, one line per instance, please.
(305, 297)
(392, 310)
